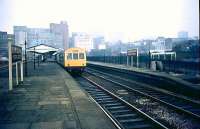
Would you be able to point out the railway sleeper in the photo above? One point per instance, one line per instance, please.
(112, 104)
(116, 107)
(131, 120)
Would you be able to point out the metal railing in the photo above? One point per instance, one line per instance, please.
(175, 66)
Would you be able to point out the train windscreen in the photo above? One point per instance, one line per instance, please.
(75, 56)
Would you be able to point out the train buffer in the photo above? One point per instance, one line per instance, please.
(49, 98)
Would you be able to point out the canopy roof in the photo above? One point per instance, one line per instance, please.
(42, 48)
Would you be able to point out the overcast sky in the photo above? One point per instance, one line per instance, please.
(122, 19)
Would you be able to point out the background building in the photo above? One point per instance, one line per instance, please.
(20, 35)
(60, 34)
(4, 39)
(36, 36)
(159, 44)
(71, 41)
(98, 41)
(183, 34)
(56, 36)
(83, 40)
(3, 46)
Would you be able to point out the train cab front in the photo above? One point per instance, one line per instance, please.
(76, 69)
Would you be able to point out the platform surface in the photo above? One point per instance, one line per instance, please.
(50, 98)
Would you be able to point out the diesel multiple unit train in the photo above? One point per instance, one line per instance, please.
(72, 59)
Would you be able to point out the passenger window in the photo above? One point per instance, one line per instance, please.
(81, 55)
(69, 56)
(75, 56)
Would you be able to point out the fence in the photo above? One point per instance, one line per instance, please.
(145, 62)
(16, 74)
(12, 68)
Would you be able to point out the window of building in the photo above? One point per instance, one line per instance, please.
(81, 55)
(69, 56)
(75, 56)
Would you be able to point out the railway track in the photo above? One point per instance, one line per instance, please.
(123, 114)
(180, 103)
(173, 85)
(182, 106)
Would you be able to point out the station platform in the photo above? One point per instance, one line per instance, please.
(50, 98)
(179, 84)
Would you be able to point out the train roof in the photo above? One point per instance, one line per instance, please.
(75, 48)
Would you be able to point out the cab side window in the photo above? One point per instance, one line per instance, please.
(81, 55)
(69, 56)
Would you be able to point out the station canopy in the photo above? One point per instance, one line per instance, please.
(42, 48)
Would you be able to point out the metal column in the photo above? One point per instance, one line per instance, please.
(17, 80)
(22, 74)
(127, 62)
(137, 59)
(132, 61)
(10, 65)
(34, 58)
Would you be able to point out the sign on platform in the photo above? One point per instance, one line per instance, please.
(16, 53)
(132, 52)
